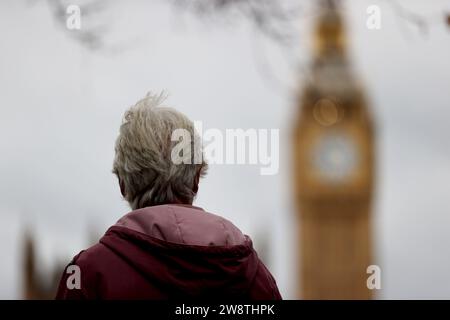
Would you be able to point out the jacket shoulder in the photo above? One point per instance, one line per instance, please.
(83, 275)
(264, 285)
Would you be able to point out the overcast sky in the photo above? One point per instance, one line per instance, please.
(61, 106)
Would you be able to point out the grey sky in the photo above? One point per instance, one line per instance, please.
(61, 108)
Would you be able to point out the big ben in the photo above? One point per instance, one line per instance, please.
(334, 169)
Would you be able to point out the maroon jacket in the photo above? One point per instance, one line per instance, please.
(171, 252)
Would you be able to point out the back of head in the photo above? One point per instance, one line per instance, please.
(144, 162)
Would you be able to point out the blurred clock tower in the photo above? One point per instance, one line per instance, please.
(334, 170)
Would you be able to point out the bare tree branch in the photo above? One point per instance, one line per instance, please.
(93, 37)
(275, 19)
(270, 17)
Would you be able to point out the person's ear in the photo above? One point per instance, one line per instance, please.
(122, 188)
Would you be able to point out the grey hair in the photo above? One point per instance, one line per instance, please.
(143, 161)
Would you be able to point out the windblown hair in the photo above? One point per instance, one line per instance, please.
(143, 155)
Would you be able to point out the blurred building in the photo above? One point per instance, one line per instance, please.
(42, 283)
(37, 284)
(334, 170)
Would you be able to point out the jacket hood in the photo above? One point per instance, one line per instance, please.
(185, 250)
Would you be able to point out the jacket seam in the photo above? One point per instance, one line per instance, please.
(178, 225)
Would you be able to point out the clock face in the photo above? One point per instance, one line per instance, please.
(335, 157)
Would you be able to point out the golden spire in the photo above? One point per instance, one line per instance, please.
(329, 30)
(331, 73)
